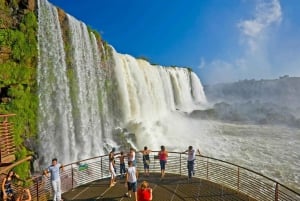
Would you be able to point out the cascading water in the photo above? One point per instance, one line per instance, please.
(87, 89)
(76, 97)
(56, 128)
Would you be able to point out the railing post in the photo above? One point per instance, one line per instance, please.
(276, 192)
(238, 179)
(72, 175)
(207, 169)
(180, 165)
(37, 190)
(101, 167)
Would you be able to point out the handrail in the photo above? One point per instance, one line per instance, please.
(257, 173)
(6, 169)
(229, 175)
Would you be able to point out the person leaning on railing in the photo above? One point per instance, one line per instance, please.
(146, 160)
(163, 157)
(54, 169)
(191, 160)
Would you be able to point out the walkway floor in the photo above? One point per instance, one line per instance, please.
(171, 188)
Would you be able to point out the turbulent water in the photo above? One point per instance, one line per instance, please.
(85, 93)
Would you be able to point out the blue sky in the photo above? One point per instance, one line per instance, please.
(221, 40)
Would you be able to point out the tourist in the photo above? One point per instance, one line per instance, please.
(191, 160)
(144, 193)
(163, 157)
(146, 160)
(131, 180)
(122, 164)
(54, 170)
(112, 170)
(7, 190)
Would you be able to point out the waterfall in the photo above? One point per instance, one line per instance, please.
(87, 91)
(55, 124)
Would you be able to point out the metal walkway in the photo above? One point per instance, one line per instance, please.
(172, 188)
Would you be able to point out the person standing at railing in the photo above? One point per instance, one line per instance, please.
(54, 170)
(191, 160)
(131, 180)
(111, 158)
(122, 164)
(146, 160)
(163, 157)
(7, 190)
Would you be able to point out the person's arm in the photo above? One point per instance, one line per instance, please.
(150, 191)
(3, 188)
(46, 172)
(62, 167)
(27, 191)
(16, 176)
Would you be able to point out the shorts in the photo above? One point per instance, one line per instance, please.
(163, 164)
(132, 186)
(146, 164)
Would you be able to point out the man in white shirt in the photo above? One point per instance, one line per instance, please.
(191, 160)
(55, 178)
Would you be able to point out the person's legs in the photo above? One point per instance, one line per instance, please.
(58, 190)
(54, 189)
(162, 167)
(129, 185)
(134, 190)
(113, 174)
(189, 166)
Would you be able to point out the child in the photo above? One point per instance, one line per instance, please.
(144, 192)
(131, 180)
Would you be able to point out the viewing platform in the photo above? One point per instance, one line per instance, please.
(172, 188)
(213, 180)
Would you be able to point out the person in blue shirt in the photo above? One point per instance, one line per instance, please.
(54, 170)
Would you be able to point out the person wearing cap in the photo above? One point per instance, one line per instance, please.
(112, 171)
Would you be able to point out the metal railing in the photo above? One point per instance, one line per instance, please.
(228, 175)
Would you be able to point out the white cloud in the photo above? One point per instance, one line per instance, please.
(266, 13)
(254, 61)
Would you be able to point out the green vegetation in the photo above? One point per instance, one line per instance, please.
(18, 85)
